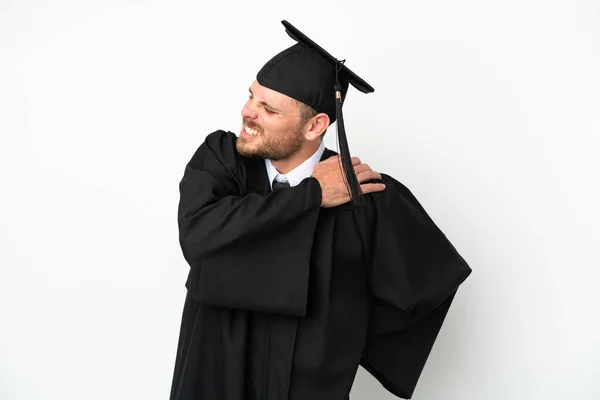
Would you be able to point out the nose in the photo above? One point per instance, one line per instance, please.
(249, 111)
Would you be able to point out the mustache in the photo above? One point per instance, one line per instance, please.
(252, 125)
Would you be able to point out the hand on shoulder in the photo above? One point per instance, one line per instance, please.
(333, 186)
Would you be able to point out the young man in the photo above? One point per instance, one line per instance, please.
(303, 264)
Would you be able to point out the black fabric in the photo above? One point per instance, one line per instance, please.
(352, 78)
(280, 185)
(307, 73)
(223, 222)
(349, 286)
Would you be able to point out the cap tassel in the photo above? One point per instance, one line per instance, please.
(352, 184)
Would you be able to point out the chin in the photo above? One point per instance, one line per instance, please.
(246, 150)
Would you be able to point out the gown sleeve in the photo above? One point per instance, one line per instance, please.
(245, 251)
(414, 273)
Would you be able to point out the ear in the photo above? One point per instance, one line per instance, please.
(316, 126)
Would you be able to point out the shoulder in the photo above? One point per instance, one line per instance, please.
(397, 186)
(396, 196)
(218, 146)
(221, 140)
(216, 162)
(391, 183)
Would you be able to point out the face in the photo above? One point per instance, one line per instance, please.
(271, 125)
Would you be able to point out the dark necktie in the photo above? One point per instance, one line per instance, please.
(280, 185)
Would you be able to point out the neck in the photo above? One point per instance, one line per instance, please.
(288, 164)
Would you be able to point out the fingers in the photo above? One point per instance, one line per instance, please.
(368, 175)
(364, 173)
(361, 168)
(336, 159)
(372, 187)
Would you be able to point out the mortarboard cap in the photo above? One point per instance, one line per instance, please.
(309, 74)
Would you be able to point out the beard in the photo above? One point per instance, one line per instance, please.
(276, 149)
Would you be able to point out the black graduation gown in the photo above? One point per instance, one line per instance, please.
(285, 298)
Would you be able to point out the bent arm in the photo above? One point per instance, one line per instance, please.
(245, 251)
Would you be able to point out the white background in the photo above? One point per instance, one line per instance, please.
(488, 111)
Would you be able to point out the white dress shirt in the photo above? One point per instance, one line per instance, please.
(298, 174)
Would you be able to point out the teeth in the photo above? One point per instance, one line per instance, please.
(251, 131)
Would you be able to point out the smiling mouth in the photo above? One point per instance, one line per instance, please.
(250, 131)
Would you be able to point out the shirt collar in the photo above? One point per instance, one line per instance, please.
(298, 174)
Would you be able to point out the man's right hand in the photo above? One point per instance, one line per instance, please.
(330, 177)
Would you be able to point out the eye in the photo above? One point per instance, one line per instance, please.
(270, 112)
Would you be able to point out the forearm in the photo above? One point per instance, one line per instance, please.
(209, 224)
(249, 252)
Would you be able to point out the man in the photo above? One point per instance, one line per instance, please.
(303, 264)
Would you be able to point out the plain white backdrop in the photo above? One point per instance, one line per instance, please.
(488, 111)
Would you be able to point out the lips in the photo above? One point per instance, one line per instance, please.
(250, 131)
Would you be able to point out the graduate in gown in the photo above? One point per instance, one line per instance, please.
(287, 296)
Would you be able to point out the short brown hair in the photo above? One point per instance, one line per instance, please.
(306, 112)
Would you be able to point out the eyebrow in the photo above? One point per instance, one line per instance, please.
(265, 104)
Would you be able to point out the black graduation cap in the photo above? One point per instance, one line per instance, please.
(309, 74)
